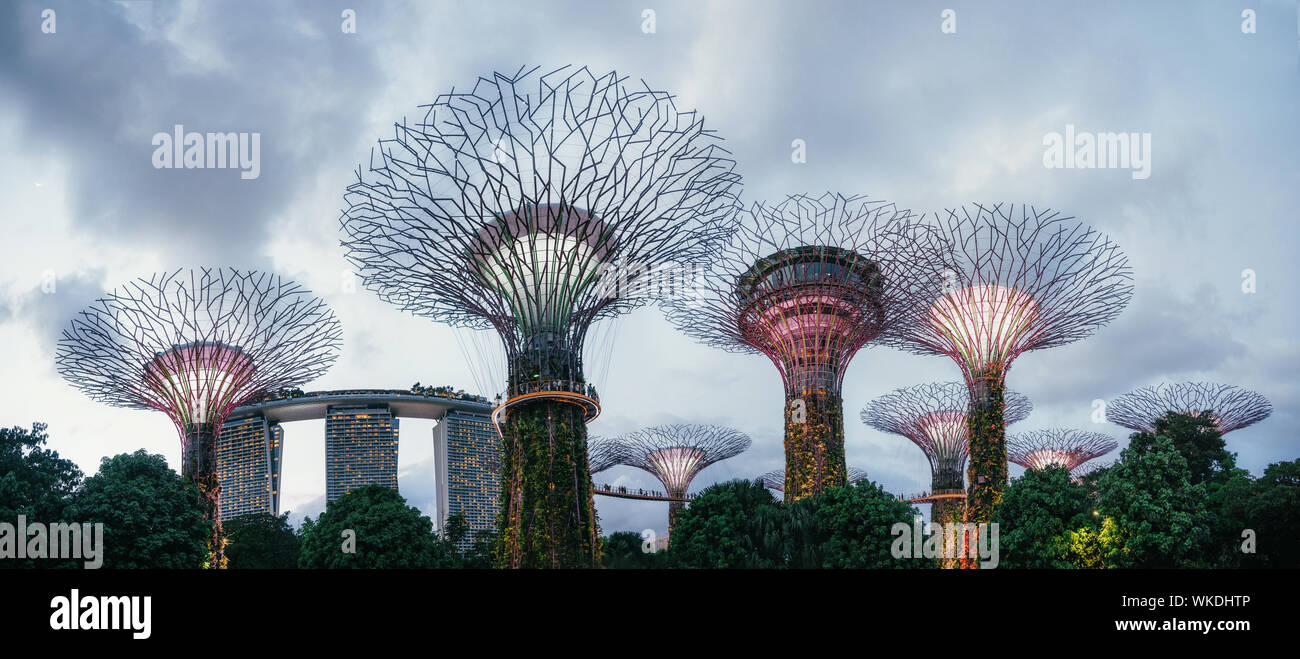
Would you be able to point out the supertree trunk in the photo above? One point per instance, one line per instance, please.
(988, 450)
(199, 465)
(548, 517)
(675, 509)
(947, 511)
(814, 444)
(943, 513)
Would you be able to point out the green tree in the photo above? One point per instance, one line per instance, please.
(1159, 514)
(1037, 511)
(625, 551)
(1096, 546)
(739, 525)
(35, 483)
(1273, 513)
(1230, 503)
(721, 528)
(1197, 440)
(261, 541)
(387, 533)
(853, 529)
(1227, 487)
(448, 546)
(152, 517)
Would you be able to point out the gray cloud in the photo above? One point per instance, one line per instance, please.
(95, 92)
(1161, 335)
(49, 307)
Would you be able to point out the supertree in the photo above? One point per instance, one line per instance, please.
(808, 282)
(1024, 278)
(603, 453)
(676, 453)
(933, 416)
(775, 479)
(1063, 447)
(196, 344)
(1086, 470)
(507, 207)
(1230, 408)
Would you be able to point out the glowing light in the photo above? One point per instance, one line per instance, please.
(811, 308)
(541, 262)
(676, 466)
(945, 430)
(1063, 447)
(1048, 457)
(200, 381)
(984, 323)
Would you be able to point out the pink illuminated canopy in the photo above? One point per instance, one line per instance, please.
(676, 466)
(985, 324)
(200, 382)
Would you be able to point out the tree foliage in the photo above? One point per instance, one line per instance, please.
(152, 517)
(448, 543)
(1197, 440)
(1037, 511)
(626, 551)
(722, 527)
(34, 482)
(1272, 511)
(261, 541)
(739, 524)
(1160, 516)
(387, 533)
(853, 528)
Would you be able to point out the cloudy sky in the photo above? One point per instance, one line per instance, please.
(887, 103)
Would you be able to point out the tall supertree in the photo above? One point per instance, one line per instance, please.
(532, 205)
(1024, 279)
(196, 344)
(676, 453)
(775, 479)
(934, 417)
(809, 282)
(1230, 408)
(1063, 447)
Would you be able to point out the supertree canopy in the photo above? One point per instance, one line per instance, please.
(675, 454)
(510, 207)
(1063, 447)
(1024, 278)
(1230, 408)
(933, 416)
(775, 479)
(603, 453)
(808, 282)
(1086, 470)
(195, 344)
